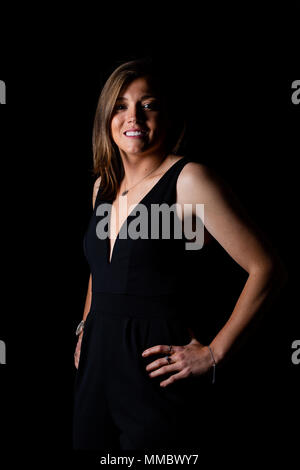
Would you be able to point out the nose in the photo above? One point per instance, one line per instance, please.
(135, 114)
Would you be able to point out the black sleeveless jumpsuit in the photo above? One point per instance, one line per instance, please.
(139, 300)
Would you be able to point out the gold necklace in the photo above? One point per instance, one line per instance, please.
(126, 190)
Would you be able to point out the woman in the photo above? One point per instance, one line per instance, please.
(140, 367)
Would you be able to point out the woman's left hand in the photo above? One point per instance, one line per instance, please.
(192, 359)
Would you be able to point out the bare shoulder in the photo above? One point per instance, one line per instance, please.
(194, 171)
(197, 178)
(96, 189)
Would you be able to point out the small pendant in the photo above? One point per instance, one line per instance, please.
(125, 192)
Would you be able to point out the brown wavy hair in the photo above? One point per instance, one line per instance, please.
(107, 162)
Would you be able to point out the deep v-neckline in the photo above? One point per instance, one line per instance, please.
(110, 255)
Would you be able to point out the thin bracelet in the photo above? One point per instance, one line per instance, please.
(214, 365)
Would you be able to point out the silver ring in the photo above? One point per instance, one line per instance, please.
(170, 349)
(168, 359)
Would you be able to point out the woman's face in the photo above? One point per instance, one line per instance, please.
(137, 124)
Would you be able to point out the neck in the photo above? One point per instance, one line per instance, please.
(137, 167)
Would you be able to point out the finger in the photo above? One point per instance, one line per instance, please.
(181, 375)
(160, 349)
(76, 358)
(158, 363)
(155, 364)
(164, 370)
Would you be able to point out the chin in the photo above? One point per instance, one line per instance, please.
(135, 150)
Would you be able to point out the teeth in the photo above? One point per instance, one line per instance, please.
(130, 133)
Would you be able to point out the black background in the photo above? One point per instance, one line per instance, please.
(241, 122)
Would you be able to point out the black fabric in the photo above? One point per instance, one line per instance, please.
(139, 300)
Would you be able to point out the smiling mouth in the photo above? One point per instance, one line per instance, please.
(135, 134)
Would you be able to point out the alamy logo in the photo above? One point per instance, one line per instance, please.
(296, 353)
(2, 92)
(161, 221)
(296, 93)
(2, 352)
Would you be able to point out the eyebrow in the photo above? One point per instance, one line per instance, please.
(144, 97)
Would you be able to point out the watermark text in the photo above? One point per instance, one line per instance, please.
(296, 353)
(2, 352)
(2, 92)
(166, 222)
(296, 94)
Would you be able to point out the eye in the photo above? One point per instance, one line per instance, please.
(119, 107)
(151, 106)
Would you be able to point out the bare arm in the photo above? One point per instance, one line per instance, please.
(88, 299)
(227, 222)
